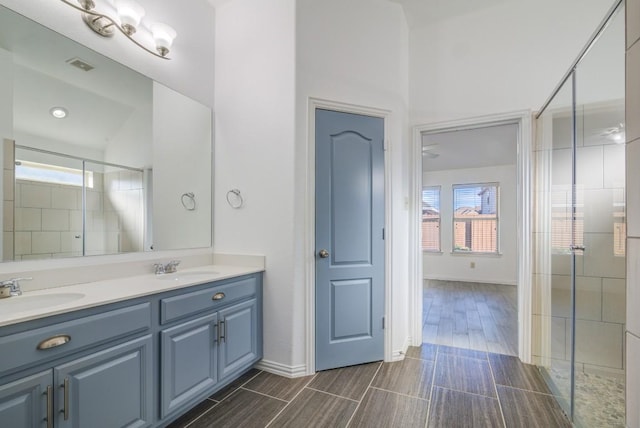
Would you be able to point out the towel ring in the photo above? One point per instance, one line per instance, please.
(188, 201)
(237, 201)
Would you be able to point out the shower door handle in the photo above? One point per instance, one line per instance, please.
(577, 248)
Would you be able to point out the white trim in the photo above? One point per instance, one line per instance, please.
(281, 369)
(309, 229)
(524, 158)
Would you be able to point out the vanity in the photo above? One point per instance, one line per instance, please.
(136, 351)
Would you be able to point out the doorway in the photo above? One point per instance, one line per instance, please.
(469, 238)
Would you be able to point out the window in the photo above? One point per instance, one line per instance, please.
(45, 173)
(475, 218)
(431, 219)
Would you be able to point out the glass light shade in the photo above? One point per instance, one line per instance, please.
(130, 13)
(163, 35)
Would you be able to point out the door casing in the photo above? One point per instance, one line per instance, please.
(523, 119)
(309, 234)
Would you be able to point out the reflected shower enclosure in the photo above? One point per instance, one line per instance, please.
(66, 206)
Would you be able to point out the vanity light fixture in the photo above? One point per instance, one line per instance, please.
(129, 17)
(58, 112)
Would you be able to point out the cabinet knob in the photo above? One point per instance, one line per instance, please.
(218, 296)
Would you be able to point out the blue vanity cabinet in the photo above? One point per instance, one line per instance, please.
(111, 388)
(189, 362)
(239, 337)
(23, 403)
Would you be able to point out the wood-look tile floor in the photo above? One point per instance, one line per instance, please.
(471, 315)
(434, 386)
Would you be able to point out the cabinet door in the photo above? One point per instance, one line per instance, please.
(23, 403)
(188, 352)
(111, 388)
(238, 337)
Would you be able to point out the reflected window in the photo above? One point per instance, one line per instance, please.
(431, 219)
(475, 218)
(45, 173)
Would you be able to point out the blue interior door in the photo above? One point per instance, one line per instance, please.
(349, 239)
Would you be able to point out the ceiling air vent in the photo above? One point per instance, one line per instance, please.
(82, 65)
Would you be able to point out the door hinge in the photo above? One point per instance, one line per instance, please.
(383, 323)
(383, 233)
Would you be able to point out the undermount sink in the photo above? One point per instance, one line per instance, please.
(25, 303)
(179, 276)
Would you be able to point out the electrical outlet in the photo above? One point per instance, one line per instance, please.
(472, 265)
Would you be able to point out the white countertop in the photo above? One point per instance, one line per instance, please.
(43, 303)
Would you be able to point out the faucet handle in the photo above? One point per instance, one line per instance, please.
(15, 285)
(159, 268)
(174, 262)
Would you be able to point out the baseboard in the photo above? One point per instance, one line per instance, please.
(399, 354)
(281, 369)
(482, 281)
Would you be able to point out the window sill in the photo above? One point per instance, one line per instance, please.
(435, 253)
(475, 254)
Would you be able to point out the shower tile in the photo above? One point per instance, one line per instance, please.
(590, 170)
(8, 153)
(633, 380)
(64, 198)
(22, 243)
(633, 285)
(599, 343)
(614, 170)
(599, 210)
(34, 196)
(55, 220)
(8, 184)
(7, 246)
(45, 242)
(69, 243)
(613, 300)
(599, 257)
(589, 298)
(28, 219)
(7, 216)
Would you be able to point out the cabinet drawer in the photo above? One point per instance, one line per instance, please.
(177, 307)
(87, 331)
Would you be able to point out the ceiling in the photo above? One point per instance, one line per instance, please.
(470, 148)
(99, 102)
(423, 12)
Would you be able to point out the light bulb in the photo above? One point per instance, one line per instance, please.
(130, 14)
(58, 112)
(163, 36)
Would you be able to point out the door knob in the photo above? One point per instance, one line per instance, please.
(323, 254)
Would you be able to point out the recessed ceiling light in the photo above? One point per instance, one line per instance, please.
(58, 112)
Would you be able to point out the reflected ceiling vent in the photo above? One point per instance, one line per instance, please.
(82, 65)
(428, 151)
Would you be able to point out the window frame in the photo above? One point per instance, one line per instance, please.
(86, 180)
(471, 220)
(439, 220)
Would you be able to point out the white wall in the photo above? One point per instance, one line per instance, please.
(190, 71)
(265, 74)
(254, 133)
(506, 57)
(355, 52)
(182, 156)
(488, 268)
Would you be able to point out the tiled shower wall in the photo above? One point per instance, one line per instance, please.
(600, 271)
(48, 217)
(633, 210)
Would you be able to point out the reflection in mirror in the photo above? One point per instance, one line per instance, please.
(68, 109)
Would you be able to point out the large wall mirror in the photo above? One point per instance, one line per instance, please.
(98, 159)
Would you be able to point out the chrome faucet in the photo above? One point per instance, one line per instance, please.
(11, 287)
(171, 267)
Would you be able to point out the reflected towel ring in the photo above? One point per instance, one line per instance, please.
(188, 201)
(237, 201)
